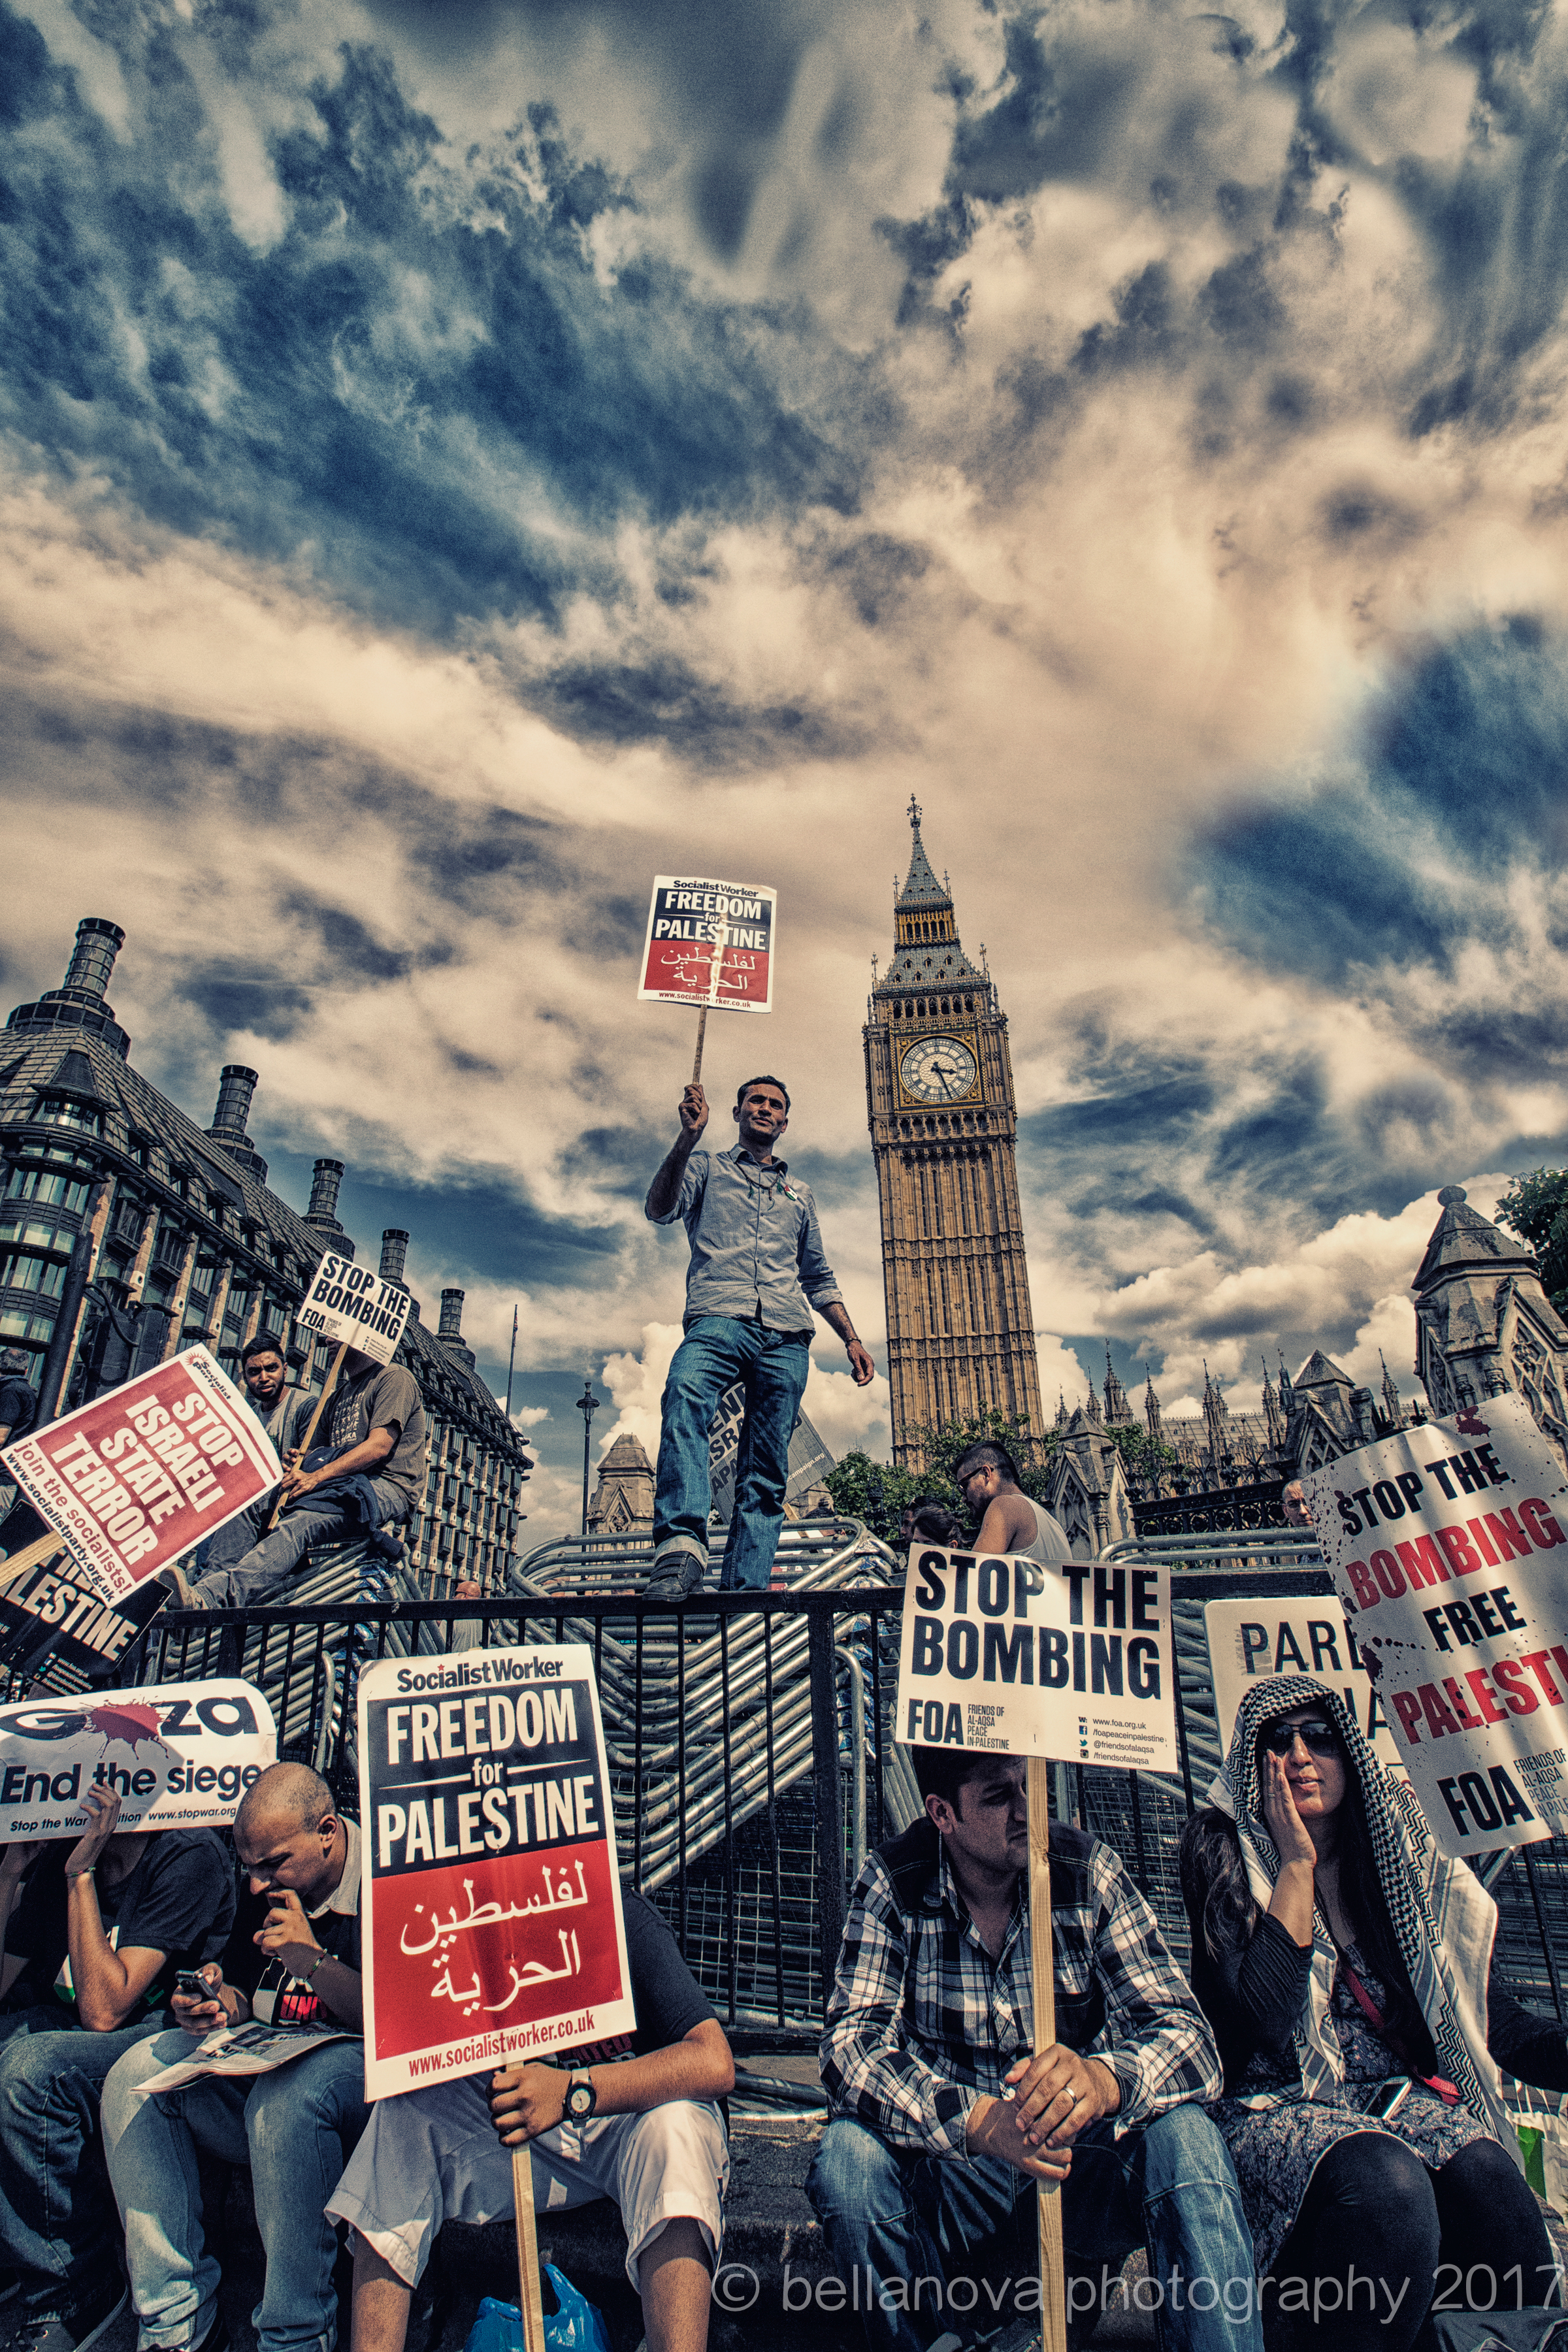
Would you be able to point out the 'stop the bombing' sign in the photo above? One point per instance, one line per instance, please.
(347, 1302)
(694, 925)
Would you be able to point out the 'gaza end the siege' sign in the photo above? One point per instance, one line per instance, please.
(1448, 1544)
(493, 1903)
(1071, 1659)
(178, 1754)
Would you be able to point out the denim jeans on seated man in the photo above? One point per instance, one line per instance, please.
(296, 2128)
(717, 1351)
(56, 2217)
(266, 1566)
(910, 2218)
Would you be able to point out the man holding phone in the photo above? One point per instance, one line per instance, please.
(94, 1930)
(293, 1962)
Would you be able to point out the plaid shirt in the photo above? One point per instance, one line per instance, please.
(923, 2020)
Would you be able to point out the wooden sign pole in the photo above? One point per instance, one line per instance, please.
(529, 2300)
(1042, 1961)
(329, 1384)
(31, 1556)
(719, 945)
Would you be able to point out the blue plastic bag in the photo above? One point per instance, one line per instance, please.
(574, 2326)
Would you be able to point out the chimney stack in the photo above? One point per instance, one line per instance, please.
(80, 1005)
(451, 1332)
(324, 1209)
(98, 943)
(236, 1087)
(394, 1255)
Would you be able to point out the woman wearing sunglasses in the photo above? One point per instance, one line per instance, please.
(1345, 1966)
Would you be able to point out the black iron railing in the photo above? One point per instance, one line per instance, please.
(752, 1754)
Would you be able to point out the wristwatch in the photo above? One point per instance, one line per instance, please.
(581, 2098)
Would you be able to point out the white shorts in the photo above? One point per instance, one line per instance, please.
(432, 2155)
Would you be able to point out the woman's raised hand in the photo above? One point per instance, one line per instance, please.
(1284, 1823)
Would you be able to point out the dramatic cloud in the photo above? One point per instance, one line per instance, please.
(460, 462)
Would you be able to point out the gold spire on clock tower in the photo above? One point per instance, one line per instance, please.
(939, 1092)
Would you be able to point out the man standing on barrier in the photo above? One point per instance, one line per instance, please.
(757, 1270)
(942, 2125)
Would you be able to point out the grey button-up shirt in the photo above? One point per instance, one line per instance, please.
(756, 1246)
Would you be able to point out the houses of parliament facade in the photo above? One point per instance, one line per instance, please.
(128, 1231)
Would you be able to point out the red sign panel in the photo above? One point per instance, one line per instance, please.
(492, 1901)
(709, 943)
(135, 1479)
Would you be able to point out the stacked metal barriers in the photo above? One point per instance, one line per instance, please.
(751, 1736)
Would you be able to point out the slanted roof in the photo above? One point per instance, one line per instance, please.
(1463, 1239)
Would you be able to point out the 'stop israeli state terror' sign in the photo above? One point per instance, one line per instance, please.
(146, 1470)
(493, 1907)
(347, 1302)
(1447, 1545)
(692, 922)
(1073, 1660)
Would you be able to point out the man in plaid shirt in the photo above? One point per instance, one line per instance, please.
(944, 2123)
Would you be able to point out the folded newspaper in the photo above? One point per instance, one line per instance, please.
(242, 2049)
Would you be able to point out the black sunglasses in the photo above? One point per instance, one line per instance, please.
(1317, 1738)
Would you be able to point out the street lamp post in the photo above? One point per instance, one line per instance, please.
(587, 1405)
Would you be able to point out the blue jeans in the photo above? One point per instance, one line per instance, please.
(717, 1351)
(55, 2216)
(296, 2128)
(939, 2226)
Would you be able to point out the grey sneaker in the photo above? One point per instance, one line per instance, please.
(679, 1579)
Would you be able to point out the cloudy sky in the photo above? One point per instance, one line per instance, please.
(461, 460)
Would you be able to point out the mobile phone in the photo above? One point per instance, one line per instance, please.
(194, 1987)
(1388, 2097)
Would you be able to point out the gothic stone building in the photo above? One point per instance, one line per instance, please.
(128, 1232)
(944, 1129)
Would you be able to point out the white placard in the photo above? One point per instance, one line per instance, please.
(1447, 1545)
(1073, 1660)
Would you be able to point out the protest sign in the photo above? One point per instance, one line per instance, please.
(45, 1606)
(148, 1469)
(353, 1308)
(1073, 1660)
(1250, 1639)
(1447, 1544)
(709, 942)
(182, 1756)
(493, 1902)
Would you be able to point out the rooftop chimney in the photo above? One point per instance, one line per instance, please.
(236, 1087)
(324, 1209)
(394, 1254)
(80, 1005)
(451, 1332)
(92, 960)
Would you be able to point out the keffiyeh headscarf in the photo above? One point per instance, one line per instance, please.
(1444, 1920)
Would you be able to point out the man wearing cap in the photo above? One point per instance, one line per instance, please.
(757, 1271)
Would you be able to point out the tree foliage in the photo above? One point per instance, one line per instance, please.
(853, 1483)
(1535, 1207)
(876, 1491)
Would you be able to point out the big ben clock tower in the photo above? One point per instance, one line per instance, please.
(939, 1092)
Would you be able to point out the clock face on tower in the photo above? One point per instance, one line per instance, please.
(938, 1070)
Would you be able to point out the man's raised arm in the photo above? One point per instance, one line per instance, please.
(664, 1192)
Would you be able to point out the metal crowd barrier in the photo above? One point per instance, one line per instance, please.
(751, 1736)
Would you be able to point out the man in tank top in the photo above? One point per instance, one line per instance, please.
(987, 1477)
